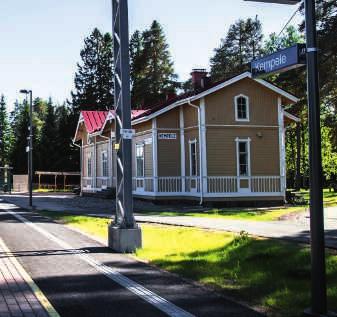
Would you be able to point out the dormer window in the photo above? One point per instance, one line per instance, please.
(241, 108)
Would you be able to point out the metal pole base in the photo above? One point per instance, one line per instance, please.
(124, 240)
(308, 312)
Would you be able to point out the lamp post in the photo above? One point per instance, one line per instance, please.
(30, 144)
(318, 270)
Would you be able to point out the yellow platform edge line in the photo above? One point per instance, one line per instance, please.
(36, 290)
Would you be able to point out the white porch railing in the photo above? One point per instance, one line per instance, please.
(222, 184)
(214, 186)
(169, 184)
(142, 184)
(217, 186)
(102, 182)
(87, 182)
(265, 184)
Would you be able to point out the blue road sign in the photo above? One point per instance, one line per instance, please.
(281, 61)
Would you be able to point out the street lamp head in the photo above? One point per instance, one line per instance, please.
(277, 1)
(24, 91)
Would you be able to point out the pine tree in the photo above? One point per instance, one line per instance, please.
(137, 69)
(326, 31)
(20, 123)
(68, 160)
(152, 72)
(242, 43)
(290, 37)
(94, 76)
(5, 136)
(46, 148)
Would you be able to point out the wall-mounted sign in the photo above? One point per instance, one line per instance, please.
(127, 134)
(167, 136)
(281, 61)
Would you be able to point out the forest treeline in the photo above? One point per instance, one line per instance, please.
(153, 79)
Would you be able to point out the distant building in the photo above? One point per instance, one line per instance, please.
(222, 142)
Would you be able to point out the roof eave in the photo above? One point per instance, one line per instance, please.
(291, 116)
(80, 120)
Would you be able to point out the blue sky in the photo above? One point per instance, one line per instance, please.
(40, 40)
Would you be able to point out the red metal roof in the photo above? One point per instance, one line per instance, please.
(136, 113)
(94, 120)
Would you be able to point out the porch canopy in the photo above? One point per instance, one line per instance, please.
(55, 174)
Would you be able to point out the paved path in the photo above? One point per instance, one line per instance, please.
(18, 294)
(295, 228)
(82, 277)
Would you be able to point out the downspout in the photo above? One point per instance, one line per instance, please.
(200, 155)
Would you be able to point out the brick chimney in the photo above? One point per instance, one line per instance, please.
(199, 78)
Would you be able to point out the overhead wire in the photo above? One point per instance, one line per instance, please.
(291, 18)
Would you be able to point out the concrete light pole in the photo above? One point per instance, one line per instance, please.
(318, 268)
(124, 234)
(30, 144)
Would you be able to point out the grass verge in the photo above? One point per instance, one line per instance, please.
(329, 197)
(235, 214)
(263, 272)
(261, 214)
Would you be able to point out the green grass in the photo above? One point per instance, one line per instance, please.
(235, 214)
(263, 272)
(329, 198)
(45, 190)
(262, 214)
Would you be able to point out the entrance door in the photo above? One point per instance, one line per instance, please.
(243, 165)
(140, 167)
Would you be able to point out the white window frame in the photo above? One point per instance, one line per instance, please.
(193, 142)
(143, 146)
(89, 140)
(236, 108)
(89, 159)
(247, 141)
(106, 160)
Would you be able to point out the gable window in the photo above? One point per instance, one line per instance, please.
(243, 157)
(140, 160)
(105, 170)
(89, 165)
(241, 108)
(193, 158)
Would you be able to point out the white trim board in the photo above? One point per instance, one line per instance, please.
(291, 116)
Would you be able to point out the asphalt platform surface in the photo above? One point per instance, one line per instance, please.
(82, 277)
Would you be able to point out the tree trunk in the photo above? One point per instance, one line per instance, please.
(298, 158)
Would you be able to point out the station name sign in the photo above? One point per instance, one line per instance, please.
(167, 136)
(281, 61)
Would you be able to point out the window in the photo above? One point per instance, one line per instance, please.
(140, 160)
(243, 157)
(193, 158)
(241, 108)
(105, 170)
(89, 164)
